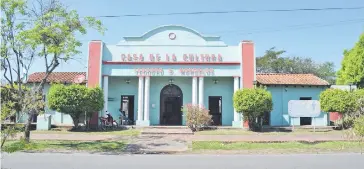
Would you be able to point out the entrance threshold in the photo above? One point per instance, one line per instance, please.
(167, 127)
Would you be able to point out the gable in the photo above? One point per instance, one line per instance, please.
(172, 35)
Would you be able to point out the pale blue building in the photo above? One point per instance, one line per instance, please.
(152, 76)
(286, 87)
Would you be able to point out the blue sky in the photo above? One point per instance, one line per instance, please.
(323, 35)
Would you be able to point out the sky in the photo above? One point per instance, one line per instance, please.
(321, 35)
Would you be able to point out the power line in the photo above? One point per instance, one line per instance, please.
(227, 12)
(287, 28)
(300, 26)
(223, 12)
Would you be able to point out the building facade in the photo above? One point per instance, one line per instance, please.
(152, 76)
(286, 87)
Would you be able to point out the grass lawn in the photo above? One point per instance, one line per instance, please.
(284, 146)
(95, 146)
(247, 132)
(129, 132)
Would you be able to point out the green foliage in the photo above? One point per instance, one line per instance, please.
(95, 100)
(360, 95)
(17, 103)
(9, 29)
(10, 101)
(273, 62)
(16, 146)
(75, 100)
(14, 101)
(359, 126)
(47, 29)
(196, 117)
(336, 100)
(55, 31)
(253, 103)
(352, 66)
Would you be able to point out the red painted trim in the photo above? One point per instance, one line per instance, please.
(170, 63)
(248, 64)
(94, 65)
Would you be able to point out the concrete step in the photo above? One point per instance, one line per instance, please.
(166, 131)
(167, 127)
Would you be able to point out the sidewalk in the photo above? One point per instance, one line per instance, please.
(173, 143)
(270, 138)
(226, 138)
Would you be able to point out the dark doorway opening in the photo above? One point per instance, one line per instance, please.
(171, 101)
(127, 105)
(215, 107)
(305, 120)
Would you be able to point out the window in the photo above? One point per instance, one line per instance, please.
(305, 98)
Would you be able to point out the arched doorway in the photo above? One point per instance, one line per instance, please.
(171, 100)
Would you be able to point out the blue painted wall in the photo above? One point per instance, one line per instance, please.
(224, 88)
(118, 87)
(282, 95)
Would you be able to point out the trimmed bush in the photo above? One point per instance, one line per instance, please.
(336, 100)
(253, 103)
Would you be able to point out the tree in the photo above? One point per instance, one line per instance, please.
(47, 30)
(352, 65)
(344, 102)
(75, 100)
(273, 62)
(12, 102)
(253, 103)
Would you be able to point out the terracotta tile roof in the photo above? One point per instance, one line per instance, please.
(290, 79)
(68, 77)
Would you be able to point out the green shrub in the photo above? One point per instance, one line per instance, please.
(360, 96)
(336, 100)
(253, 103)
(359, 126)
(75, 100)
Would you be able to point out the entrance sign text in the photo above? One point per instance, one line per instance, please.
(171, 72)
(156, 57)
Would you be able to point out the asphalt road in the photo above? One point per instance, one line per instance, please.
(97, 161)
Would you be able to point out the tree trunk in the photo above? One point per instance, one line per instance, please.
(27, 126)
(5, 137)
(75, 122)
